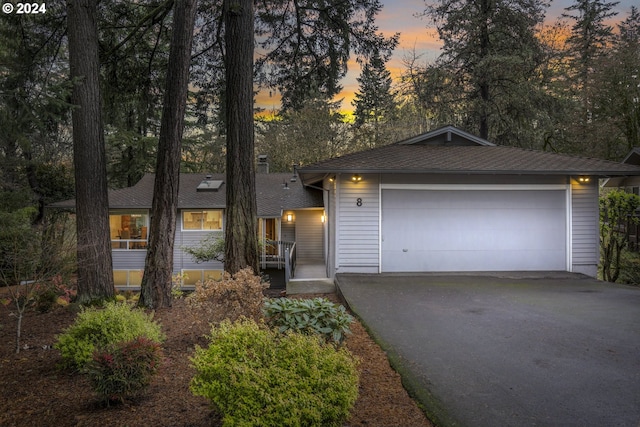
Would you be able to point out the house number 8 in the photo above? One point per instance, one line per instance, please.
(358, 201)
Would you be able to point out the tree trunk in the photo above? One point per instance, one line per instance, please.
(483, 84)
(241, 249)
(156, 283)
(95, 274)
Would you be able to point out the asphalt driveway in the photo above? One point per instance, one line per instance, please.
(508, 350)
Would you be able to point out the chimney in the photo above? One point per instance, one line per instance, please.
(263, 165)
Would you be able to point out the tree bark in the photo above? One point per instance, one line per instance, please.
(241, 248)
(95, 274)
(156, 282)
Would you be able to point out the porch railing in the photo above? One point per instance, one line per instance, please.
(273, 253)
(289, 263)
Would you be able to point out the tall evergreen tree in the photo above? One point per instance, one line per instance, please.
(241, 245)
(590, 34)
(616, 90)
(302, 46)
(134, 37)
(375, 104)
(491, 50)
(156, 282)
(313, 133)
(307, 44)
(34, 106)
(587, 45)
(95, 274)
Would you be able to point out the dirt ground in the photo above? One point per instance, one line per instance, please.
(34, 392)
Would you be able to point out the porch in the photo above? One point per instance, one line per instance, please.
(287, 271)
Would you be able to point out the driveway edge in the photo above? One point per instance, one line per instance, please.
(425, 400)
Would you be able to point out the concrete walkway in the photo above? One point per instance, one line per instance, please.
(508, 350)
(310, 278)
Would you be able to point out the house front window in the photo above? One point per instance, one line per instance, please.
(191, 277)
(202, 220)
(129, 229)
(127, 278)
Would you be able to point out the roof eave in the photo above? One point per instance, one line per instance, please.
(323, 172)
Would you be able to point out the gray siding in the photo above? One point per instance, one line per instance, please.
(358, 226)
(128, 260)
(182, 260)
(309, 234)
(288, 231)
(585, 245)
(330, 204)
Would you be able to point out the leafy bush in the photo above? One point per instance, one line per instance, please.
(121, 370)
(230, 298)
(629, 268)
(97, 328)
(51, 293)
(310, 316)
(255, 376)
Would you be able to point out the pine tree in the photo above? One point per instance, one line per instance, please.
(492, 53)
(375, 104)
(587, 44)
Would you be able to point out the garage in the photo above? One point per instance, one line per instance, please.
(486, 228)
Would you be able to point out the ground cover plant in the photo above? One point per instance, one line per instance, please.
(311, 316)
(35, 391)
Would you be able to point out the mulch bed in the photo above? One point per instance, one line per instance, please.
(35, 392)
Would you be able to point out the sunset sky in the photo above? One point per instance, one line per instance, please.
(399, 16)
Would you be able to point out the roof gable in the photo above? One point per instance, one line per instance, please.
(446, 136)
(449, 150)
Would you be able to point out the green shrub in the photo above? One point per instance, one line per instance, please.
(629, 268)
(123, 369)
(255, 376)
(309, 316)
(96, 328)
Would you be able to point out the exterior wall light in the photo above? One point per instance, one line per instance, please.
(584, 179)
(356, 178)
(323, 218)
(289, 217)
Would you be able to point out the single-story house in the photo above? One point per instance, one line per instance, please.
(448, 201)
(287, 213)
(442, 201)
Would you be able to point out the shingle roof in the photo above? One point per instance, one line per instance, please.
(443, 159)
(274, 193)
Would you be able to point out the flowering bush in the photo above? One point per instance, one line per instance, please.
(232, 297)
(122, 370)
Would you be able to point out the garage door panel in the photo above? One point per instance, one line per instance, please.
(425, 230)
(474, 261)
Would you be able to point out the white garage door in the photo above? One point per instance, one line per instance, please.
(473, 230)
